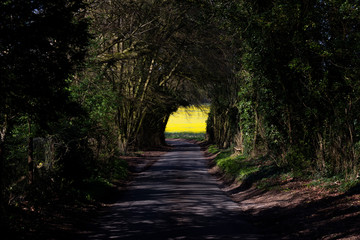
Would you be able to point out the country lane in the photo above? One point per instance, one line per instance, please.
(174, 199)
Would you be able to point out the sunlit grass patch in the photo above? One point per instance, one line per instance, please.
(186, 135)
(237, 166)
(188, 120)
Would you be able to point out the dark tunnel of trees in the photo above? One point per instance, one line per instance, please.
(84, 82)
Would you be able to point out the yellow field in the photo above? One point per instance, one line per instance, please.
(190, 119)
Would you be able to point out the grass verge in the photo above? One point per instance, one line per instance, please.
(265, 175)
(233, 166)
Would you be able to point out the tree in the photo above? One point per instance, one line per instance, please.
(153, 54)
(297, 80)
(41, 43)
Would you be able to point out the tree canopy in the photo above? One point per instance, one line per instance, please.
(85, 82)
(41, 43)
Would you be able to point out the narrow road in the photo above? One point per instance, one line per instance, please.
(175, 199)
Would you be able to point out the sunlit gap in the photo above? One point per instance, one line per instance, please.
(188, 120)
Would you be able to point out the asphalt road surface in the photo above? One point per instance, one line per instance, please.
(174, 199)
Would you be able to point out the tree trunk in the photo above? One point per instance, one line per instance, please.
(2, 187)
(2, 164)
(3, 133)
(152, 130)
(254, 144)
(321, 165)
(288, 124)
(166, 119)
(30, 156)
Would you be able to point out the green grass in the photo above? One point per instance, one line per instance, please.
(237, 167)
(259, 172)
(265, 175)
(248, 170)
(233, 166)
(186, 135)
(213, 149)
(334, 184)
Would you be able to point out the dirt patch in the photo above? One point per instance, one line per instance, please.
(295, 209)
(301, 212)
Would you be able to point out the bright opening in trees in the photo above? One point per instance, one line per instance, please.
(191, 119)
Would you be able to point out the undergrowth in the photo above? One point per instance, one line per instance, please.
(334, 184)
(237, 167)
(266, 175)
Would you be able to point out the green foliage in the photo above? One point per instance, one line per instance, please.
(15, 154)
(136, 82)
(274, 180)
(236, 166)
(213, 149)
(36, 59)
(334, 184)
(298, 89)
(41, 44)
(297, 161)
(222, 124)
(114, 169)
(94, 189)
(282, 77)
(75, 158)
(186, 135)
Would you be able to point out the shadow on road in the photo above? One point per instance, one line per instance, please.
(175, 199)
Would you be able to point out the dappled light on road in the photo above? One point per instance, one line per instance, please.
(175, 199)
